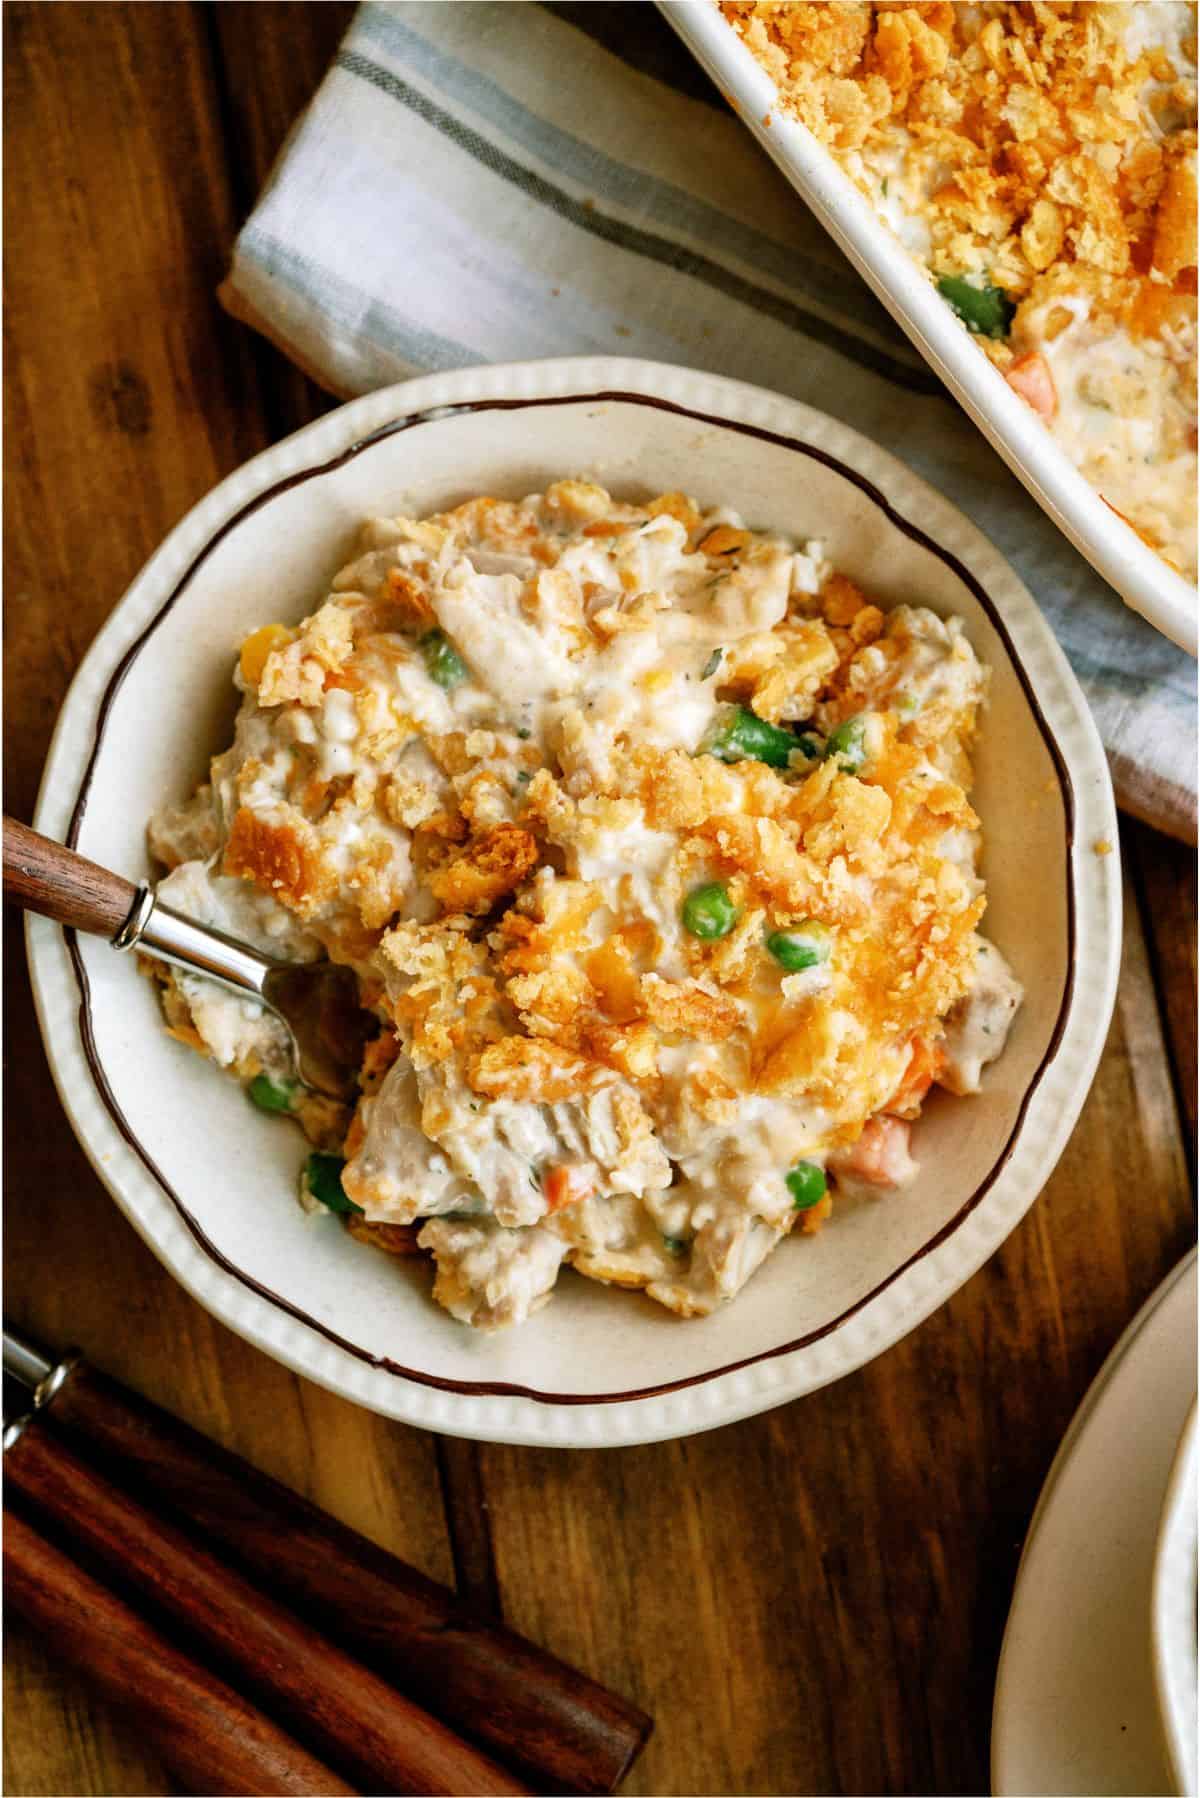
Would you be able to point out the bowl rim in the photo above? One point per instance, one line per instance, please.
(1139, 576)
(540, 385)
(412, 421)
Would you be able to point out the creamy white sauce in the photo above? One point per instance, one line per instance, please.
(1167, 25)
(1126, 417)
(896, 188)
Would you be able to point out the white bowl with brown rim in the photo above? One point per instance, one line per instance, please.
(210, 1183)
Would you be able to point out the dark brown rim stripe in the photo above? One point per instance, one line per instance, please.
(500, 1388)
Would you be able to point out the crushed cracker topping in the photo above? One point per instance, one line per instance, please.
(1044, 154)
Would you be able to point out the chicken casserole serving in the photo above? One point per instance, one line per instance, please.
(1038, 161)
(648, 838)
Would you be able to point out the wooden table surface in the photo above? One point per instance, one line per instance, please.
(811, 1601)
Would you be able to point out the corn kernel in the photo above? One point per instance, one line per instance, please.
(258, 646)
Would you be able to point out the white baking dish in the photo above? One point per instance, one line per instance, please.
(1141, 578)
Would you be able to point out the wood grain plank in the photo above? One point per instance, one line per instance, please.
(1164, 879)
(58, 1737)
(129, 394)
(813, 1600)
(468, 1522)
(271, 57)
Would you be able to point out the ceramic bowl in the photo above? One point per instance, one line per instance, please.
(1144, 581)
(210, 1183)
(1173, 1611)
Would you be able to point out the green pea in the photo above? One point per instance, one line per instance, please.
(741, 735)
(987, 311)
(271, 1095)
(323, 1179)
(807, 946)
(675, 1245)
(847, 744)
(709, 912)
(442, 661)
(807, 1184)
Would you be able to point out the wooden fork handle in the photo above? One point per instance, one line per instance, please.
(42, 876)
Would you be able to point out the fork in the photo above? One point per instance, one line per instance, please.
(317, 1002)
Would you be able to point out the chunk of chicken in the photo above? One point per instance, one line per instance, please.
(978, 1027)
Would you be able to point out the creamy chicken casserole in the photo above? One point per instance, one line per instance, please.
(1039, 161)
(648, 838)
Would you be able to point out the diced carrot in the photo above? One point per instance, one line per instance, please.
(880, 1156)
(562, 1186)
(1030, 376)
(925, 1064)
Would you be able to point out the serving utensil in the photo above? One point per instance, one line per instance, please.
(337, 1708)
(317, 1002)
(211, 1738)
(518, 1704)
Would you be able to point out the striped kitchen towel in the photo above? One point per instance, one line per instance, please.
(493, 182)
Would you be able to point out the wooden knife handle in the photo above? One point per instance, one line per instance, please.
(210, 1739)
(529, 1709)
(42, 876)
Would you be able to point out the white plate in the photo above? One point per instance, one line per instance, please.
(1075, 1709)
(1174, 1612)
(209, 1182)
(1142, 579)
